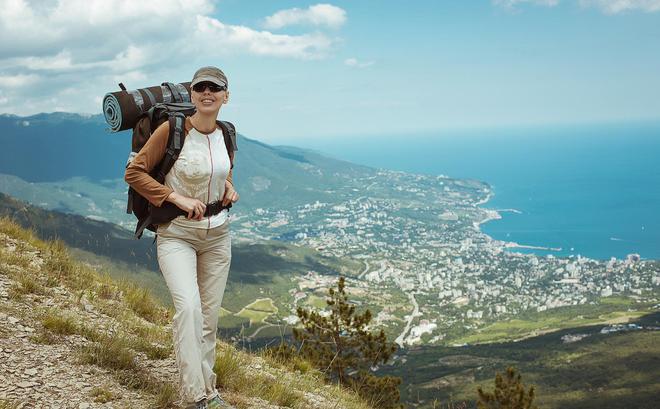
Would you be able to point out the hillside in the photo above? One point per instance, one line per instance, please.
(71, 337)
(592, 367)
(264, 269)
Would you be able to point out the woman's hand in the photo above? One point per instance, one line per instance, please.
(231, 196)
(193, 207)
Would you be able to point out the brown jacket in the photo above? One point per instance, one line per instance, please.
(137, 173)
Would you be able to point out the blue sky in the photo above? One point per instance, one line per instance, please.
(300, 70)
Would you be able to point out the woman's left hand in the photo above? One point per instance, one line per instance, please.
(231, 196)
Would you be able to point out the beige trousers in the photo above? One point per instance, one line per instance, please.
(195, 265)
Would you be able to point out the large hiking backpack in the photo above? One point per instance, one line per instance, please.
(150, 216)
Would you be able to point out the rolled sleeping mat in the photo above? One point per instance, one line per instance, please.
(122, 109)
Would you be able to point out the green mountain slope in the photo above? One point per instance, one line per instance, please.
(617, 370)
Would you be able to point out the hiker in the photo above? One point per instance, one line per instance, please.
(194, 251)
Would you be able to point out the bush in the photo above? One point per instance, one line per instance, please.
(509, 393)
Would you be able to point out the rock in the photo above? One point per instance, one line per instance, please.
(84, 406)
(25, 384)
(31, 372)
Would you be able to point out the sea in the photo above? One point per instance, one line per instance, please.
(589, 190)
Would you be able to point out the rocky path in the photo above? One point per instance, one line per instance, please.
(35, 375)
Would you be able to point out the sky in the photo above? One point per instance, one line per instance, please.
(303, 69)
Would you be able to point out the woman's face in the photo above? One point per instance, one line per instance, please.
(205, 100)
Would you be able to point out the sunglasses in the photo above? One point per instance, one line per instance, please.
(201, 87)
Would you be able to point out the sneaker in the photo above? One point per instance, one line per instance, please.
(219, 403)
(202, 404)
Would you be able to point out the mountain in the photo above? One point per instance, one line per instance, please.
(73, 146)
(67, 145)
(73, 338)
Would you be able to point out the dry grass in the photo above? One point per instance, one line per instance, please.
(59, 324)
(142, 302)
(5, 404)
(102, 394)
(12, 229)
(15, 258)
(292, 362)
(274, 381)
(114, 354)
(140, 320)
(165, 397)
(110, 353)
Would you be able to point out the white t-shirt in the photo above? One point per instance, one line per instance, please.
(200, 172)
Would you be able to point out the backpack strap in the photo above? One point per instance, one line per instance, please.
(175, 141)
(176, 95)
(229, 133)
(129, 203)
(174, 144)
(150, 95)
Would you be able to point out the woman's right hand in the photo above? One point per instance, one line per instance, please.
(195, 208)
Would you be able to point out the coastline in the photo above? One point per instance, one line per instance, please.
(495, 214)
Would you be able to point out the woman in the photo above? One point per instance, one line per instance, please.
(194, 251)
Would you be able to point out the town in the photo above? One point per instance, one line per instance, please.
(428, 269)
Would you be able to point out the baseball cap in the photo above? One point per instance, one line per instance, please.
(211, 74)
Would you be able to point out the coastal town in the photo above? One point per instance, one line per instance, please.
(428, 270)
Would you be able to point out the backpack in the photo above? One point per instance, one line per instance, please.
(150, 216)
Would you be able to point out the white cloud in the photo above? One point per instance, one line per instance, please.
(513, 3)
(606, 6)
(353, 62)
(306, 46)
(85, 45)
(618, 6)
(317, 15)
(18, 80)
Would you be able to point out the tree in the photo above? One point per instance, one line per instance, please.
(341, 345)
(509, 393)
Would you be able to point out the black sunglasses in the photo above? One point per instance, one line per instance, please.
(201, 87)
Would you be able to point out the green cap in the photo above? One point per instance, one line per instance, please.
(210, 74)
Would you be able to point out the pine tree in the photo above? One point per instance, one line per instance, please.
(509, 393)
(341, 345)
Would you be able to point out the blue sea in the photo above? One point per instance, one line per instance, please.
(589, 190)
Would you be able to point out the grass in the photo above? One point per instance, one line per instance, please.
(230, 368)
(253, 316)
(165, 397)
(263, 304)
(114, 354)
(613, 371)
(102, 394)
(111, 353)
(236, 372)
(610, 310)
(258, 310)
(143, 303)
(137, 321)
(59, 324)
(141, 339)
(5, 404)
(316, 301)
